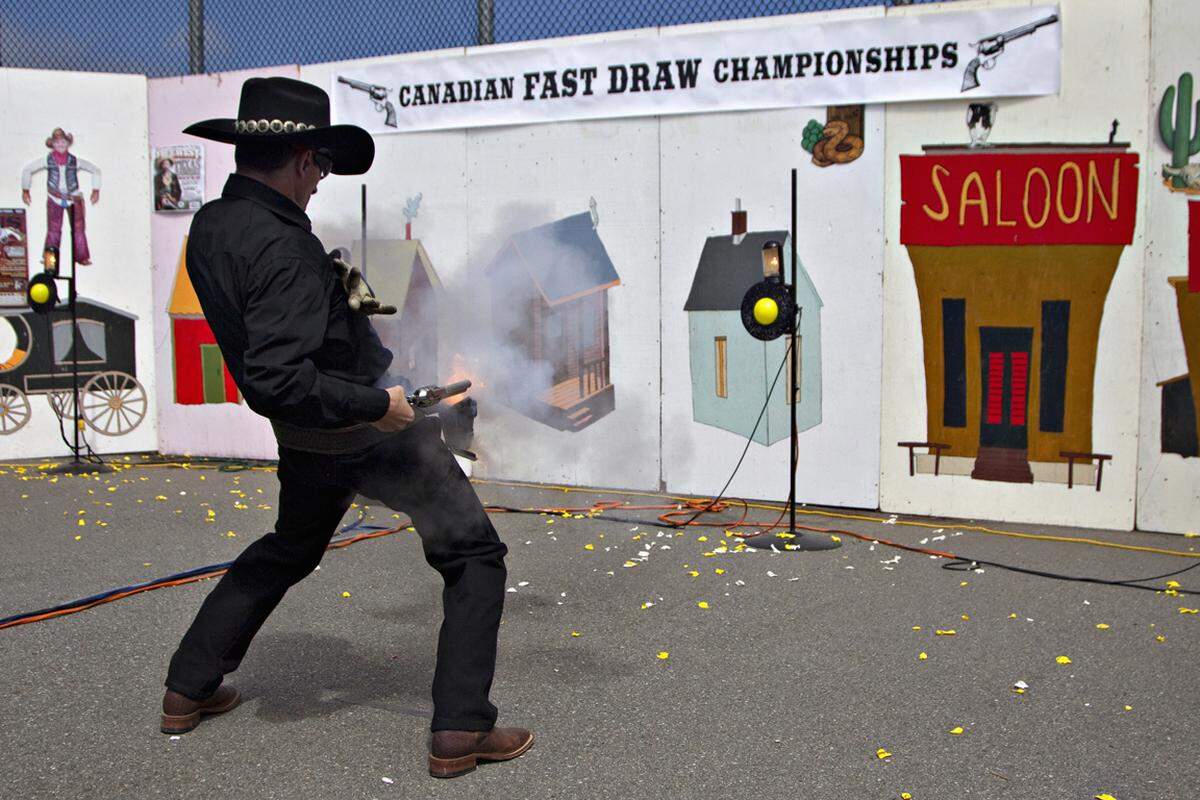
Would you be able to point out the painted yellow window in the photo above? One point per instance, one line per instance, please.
(722, 367)
(787, 375)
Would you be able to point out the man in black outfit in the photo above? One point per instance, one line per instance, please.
(280, 309)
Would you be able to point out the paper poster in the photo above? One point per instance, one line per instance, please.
(14, 257)
(179, 177)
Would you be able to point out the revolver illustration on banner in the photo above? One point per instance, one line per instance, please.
(990, 47)
(378, 95)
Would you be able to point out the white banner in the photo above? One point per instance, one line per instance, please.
(935, 56)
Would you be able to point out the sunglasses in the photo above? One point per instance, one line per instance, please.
(323, 158)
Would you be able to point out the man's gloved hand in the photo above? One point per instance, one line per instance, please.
(361, 298)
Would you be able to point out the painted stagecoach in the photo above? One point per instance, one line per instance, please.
(41, 359)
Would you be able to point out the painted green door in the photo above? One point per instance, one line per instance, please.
(213, 367)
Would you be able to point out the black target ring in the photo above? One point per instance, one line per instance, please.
(781, 293)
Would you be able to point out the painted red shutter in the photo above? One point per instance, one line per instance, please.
(1020, 387)
(995, 396)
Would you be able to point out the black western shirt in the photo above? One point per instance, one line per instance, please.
(279, 311)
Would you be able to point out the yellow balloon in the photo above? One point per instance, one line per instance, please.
(766, 311)
(39, 293)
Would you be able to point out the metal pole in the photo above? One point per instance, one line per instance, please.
(195, 37)
(74, 341)
(792, 378)
(484, 11)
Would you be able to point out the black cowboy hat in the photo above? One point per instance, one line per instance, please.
(289, 110)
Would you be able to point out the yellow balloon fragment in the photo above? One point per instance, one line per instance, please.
(345, 594)
(966, 616)
(703, 604)
(1173, 584)
(694, 574)
(1012, 616)
(1102, 626)
(916, 627)
(576, 633)
(1182, 610)
(956, 731)
(1160, 638)
(719, 571)
(1105, 796)
(949, 632)
(882, 754)
(702, 539)
(589, 547)
(923, 656)
(905, 796)
(663, 655)
(1064, 660)
(1129, 708)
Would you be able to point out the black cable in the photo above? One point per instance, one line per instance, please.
(964, 564)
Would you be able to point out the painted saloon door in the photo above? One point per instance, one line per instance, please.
(1004, 416)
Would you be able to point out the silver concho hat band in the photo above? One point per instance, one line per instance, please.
(270, 126)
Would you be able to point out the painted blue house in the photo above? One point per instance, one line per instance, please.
(731, 370)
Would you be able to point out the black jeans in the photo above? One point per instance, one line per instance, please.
(412, 472)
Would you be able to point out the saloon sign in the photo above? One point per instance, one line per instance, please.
(1015, 197)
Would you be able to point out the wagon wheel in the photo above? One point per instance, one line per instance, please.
(62, 401)
(14, 409)
(114, 403)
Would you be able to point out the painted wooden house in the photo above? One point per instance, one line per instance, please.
(549, 288)
(200, 372)
(401, 274)
(732, 372)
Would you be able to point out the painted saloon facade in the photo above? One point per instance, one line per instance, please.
(1014, 248)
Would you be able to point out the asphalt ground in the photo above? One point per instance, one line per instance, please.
(799, 671)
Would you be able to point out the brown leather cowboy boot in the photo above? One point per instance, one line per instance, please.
(454, 753)
(180, 714)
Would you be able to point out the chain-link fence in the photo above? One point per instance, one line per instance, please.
(178, 37)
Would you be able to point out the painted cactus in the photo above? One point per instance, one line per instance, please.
(1180, 138)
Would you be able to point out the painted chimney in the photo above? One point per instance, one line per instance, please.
(739, 221)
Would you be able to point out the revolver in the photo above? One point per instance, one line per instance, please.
(992, 46)
(458, 426)
(378, 95)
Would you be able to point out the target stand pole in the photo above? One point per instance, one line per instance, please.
(799, 541)
(76, 464)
